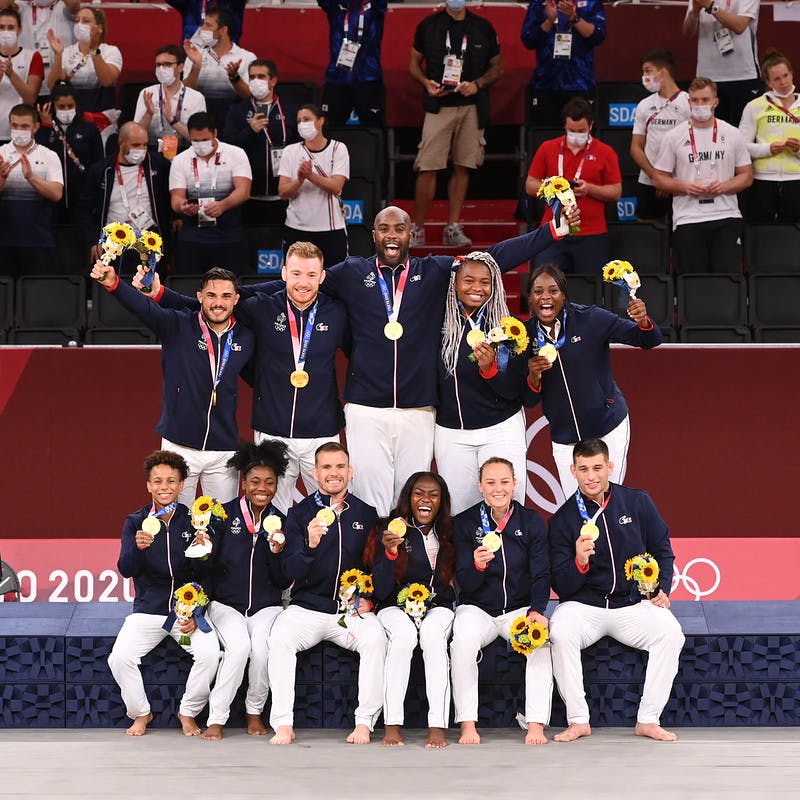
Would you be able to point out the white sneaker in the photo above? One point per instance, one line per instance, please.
(417, 236)
(454, 236)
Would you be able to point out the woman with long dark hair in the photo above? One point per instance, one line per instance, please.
(405, 557)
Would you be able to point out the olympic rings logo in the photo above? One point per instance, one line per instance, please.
(690, 584)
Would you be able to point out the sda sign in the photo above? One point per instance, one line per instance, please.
(620, 115)
(269, 262)
(626, 209)
(353, 211)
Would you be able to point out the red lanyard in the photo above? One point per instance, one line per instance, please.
(196, 172)
(138, 178)
(463, 44)
(282, 117)
(577, 175)
(692, 142)
(248, 517)
(362, 13)
(660, 110)
(783, 109)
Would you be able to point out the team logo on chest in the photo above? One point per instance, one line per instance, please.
(236, 526)
(479, 536)
(369, 281)
(625, 520)
(280, 322)
(575, 339)
(358, 526)
(187, 535)
(517, 532)
(201, 345)
(415, 278)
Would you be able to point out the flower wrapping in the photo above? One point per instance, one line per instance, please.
(188, 600)
(413, 599)
(622, 274)
(509, 339)
(644, 570)
(525, 635)
(558, 194)
(117, 237)
(353, 586)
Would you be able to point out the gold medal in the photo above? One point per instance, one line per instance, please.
(397, 526)
(151, 525)
(492, 542)
(590, 531)
(549, 352)
(393, 330)
(475, 337)
(326, 517)
(271, 523)
(299, 379)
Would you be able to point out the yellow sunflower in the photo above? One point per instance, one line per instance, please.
(367, 587)
(519, 625)
(418, 592)
(187, 594)
(650, 572)
(538, 634)
(515, 331)
(559, 184)
(121, 233)
(521, 645)
(350, 578)
(151, 241)
(202, 505)
(629, 568)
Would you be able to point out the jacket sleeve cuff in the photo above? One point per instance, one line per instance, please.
(553, 230)
(113, 286)
(531, 386)
(648, 326)
(582, 570)
(158, 295)
(491, 372)
(391, 556)
(480, 569)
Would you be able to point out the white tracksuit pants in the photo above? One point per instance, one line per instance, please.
(139, 634)
(242, 638)
(387, 445)
(575, 626)
(432, 637)
(300, 629)
(210, 469)
(473, 629)
(301, 462)
(459, 455)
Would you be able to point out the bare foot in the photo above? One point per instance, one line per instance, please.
(360, 735)
(575, 731)
(255, 725)
(213, 733)
(654, 731)
(190, 727)
(535, 734)
(469, 734)
(284, 734)
(392, 736)
(436, 739)
(139, 726)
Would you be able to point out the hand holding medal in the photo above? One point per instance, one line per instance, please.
(272, 525)
(319, 525)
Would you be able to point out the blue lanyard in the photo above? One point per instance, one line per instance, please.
(501, 525)
(478, 322)
(540, 338)
(309, 329)
(582, 507)
(164, 511)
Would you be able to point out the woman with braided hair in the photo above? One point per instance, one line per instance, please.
(480, 412)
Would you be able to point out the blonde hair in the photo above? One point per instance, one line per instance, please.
(700, 83)
(304, 250)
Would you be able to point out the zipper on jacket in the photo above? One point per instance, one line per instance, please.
(569, 397)
(250, 583)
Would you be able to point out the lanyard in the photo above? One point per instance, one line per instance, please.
(783, 109)
(251, 524)
(392, 302)
(178, 108)
(216, 369)
(213, 174)
(362, 13)
(559, 343)
(122, 192)
(463, 44)
(577, 175)
(35, 10)
(79, 65)
(500, 525)
(582, 508)
(277, 104)
(692, 142)
(299, 348)
(477, 323)
(62, 135)
(317, 165)
(164, 511)
(340, 505)
(660, 110)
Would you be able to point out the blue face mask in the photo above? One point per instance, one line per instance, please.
(456, 5)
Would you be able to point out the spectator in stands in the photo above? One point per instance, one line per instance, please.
(312, 174)
(91, 65)
(655, 116)
(726, 51)
(354, 78)
(461, 55)
(592, 168)
(76, 142)
(591, 537)
(262, 127)
(39, 17)
(771, 128)
(31, 183)
(131, 186)
(703, 164)
(21, 70)
(193, 14)
(208, 185)
(564, 34)
(217, 67)
(158, 566)
(579, 395)
(198, 414)
(164, 108)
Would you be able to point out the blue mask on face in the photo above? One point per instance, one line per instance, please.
(456, 5)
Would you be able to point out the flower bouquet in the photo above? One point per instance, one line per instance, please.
(526, 635)
(644, 570)
(509, 338)
(115, 239)
(149, 246)
(622, 274)
(202, 510)
(558, 194)
(190, 599)
(353, 586)
(413, 599)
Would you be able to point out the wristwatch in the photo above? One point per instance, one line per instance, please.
(235, 77)
(576, 19)
(712, 9)
(97, 52)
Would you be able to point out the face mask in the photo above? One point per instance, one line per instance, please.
(307, 130)
(21, 138)
(207, 38)
(650, 83)
(165, 75)
(577, 139)
(788, 94)
(83, 32)
(702, 113)
(204, 148)
(456, 5)
(43, 3)
(135, 155)
(259, 88)
(65, 116)
(8, 39)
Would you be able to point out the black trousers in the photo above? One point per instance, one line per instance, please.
(708, 247)
(768, 202)
(367, 98)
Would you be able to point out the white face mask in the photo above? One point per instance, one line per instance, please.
(307, 130)
(8, 39)
(21, 138)
(651, 84)
(204, 148)
(83, 32)
(136, 155)
(701, 113)
(207, 38)
(165, 75)
(65, 116)
(787, 94)
(259, 88)
(577, 139)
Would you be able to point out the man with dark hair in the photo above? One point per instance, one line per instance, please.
(152, 553)
(592, 168)
(193, 14)
(164, 108)
(592, 537)
(262, 126)
(208, 185)
(202, 356)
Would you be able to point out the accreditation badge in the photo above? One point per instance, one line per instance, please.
(562, 47)
(453, 67)
(275, 154)
(347, 54)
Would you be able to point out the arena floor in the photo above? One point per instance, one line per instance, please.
(730, 763)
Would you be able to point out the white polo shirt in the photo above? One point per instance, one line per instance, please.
(36, 21)
(79, 68)
(186, 100)
(213, 79)
(654, 118)
(25, 63)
